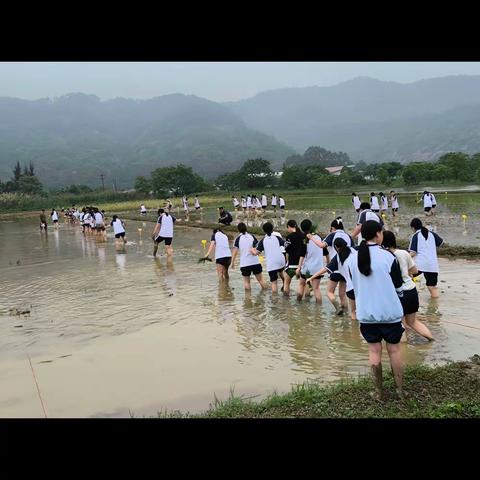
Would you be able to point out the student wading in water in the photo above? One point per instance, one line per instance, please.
(163, 232)
(409, 299)
(423, 247)
(376, 279)
(223, 255)
(249, 263)
(274, 257)
(295, 249)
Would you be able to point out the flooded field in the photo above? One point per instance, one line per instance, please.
(110, 332)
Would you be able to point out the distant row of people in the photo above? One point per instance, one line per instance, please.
(249, 203)
(377, 205)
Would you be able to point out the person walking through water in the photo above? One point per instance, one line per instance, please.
(249, 263)
(356, 202)
(427, 203)
(223, 254)
(163, 232)
(118, 229)
(272, 245)
(423, 247)
(377, 282)
(54, 216)
(197, 203)
(295, 249)
(394, 203)
(43, 221)
(409, 300)
(274, 203)
(374, 203)
(143, 210)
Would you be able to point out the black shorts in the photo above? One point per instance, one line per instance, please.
(282, 207)
(409, 301)
(430, 277)
(375, 211)
(168, 240)
(394, 209)
(274, 274)
(120, 235)
(55, 221)
(264, 207)
(225, 261)
(427, 209)
(376, 332)
(357, 210)
(337, 277)
(247, 271)
(196, 208)
(351, 294)
(433, 206)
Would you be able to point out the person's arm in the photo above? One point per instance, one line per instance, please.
(210, 248)
(438, 240)
(413, 247)
(331, 267)
(396, 275)
(301, 261)
(156, 230)
(317, 242)
(412, 268)
(258, 249)
(318, 274)
(358, 227)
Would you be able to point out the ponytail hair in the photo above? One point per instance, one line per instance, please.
(389, 240)
(337, 224)
(242, 228)
(342, 248)
(365, 206)
(417, 224)
(369, 231)
(268, 228)
(306, 226)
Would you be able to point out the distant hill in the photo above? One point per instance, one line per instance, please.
(75, 138)
(372, 120)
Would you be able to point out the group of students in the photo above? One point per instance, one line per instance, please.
(251, 203)
(378, 205)
(429, 203)
(376, 278)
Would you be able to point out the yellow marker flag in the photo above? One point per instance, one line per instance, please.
(204, 243)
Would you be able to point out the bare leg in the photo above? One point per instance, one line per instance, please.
(434, 293)
(331, 286)
(375, 357)
(246, 283)
(418, 326)
(286, 285)
(301, 289)
(155, 249)
(260, 280)
(342, 293)
(395, 354)
(353, 309)
(220, 269)
(169, 250)
(316, 290)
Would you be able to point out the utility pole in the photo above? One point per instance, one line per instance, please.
(103, 185)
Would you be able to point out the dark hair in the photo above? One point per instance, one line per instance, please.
(306, 226)
(369, 230)
(242, 228)
(381, 194)
(342, 248)
(114, 218)
(268, 228)
(365, 206)
(292, 224)
(372, 194)
(389, 240)
(337, 224)
(221, 208)
(354, 194)
(417, 224)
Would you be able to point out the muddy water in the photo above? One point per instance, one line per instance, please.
(111, 332)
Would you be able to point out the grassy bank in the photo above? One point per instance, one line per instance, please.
(448, 391)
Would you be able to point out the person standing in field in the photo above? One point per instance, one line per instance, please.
(163, 232)
(143, 210)
(249, 263)
(356, 202)
(223, 255)
(43, 221)
(272, 245)
(264, 202)
(54, 217)
(99, 223)
(374, 203)
(235, 202)
(427, 203)
(295, 249)
(244, 204)
(197, 203)
(281, 202)
(394, 203)
(409, 300)
(423, 247)
(365, 214)
(434, 202)
(377, 282)
(118, 228)
(383, 203)
(274, 203)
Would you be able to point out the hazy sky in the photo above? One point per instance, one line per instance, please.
(215, 81)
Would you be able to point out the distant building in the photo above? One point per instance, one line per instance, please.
(335, 170)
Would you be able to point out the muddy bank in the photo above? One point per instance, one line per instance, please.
(448, 391)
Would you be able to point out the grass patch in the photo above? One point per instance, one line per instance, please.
(447, 391)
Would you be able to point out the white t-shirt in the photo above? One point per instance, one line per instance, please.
(244, 203)
(264, 201)
(313, 258)
(330, 239)
(434, 200)
(197, 203)
(374, 203)
(98, 219)
(54, 215)
(166, 225)
(222, 248)
(87, 218)
(384, 203)
(117, 226)
(235, 202)
(344, 268)
(406, 262)
(272, 246)
(394, 202)
(282, 202)
(356, 202)
(427, 201)
(143, 209)
(244, 242)
(249, 202)
(426, 251)
(274, 201)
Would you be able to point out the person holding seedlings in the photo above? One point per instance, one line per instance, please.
(223, 254)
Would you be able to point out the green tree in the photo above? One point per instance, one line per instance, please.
(296, 176)
(256, 173)
(180, 180)
(143, 185)
(29, 184)
(17, 172)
